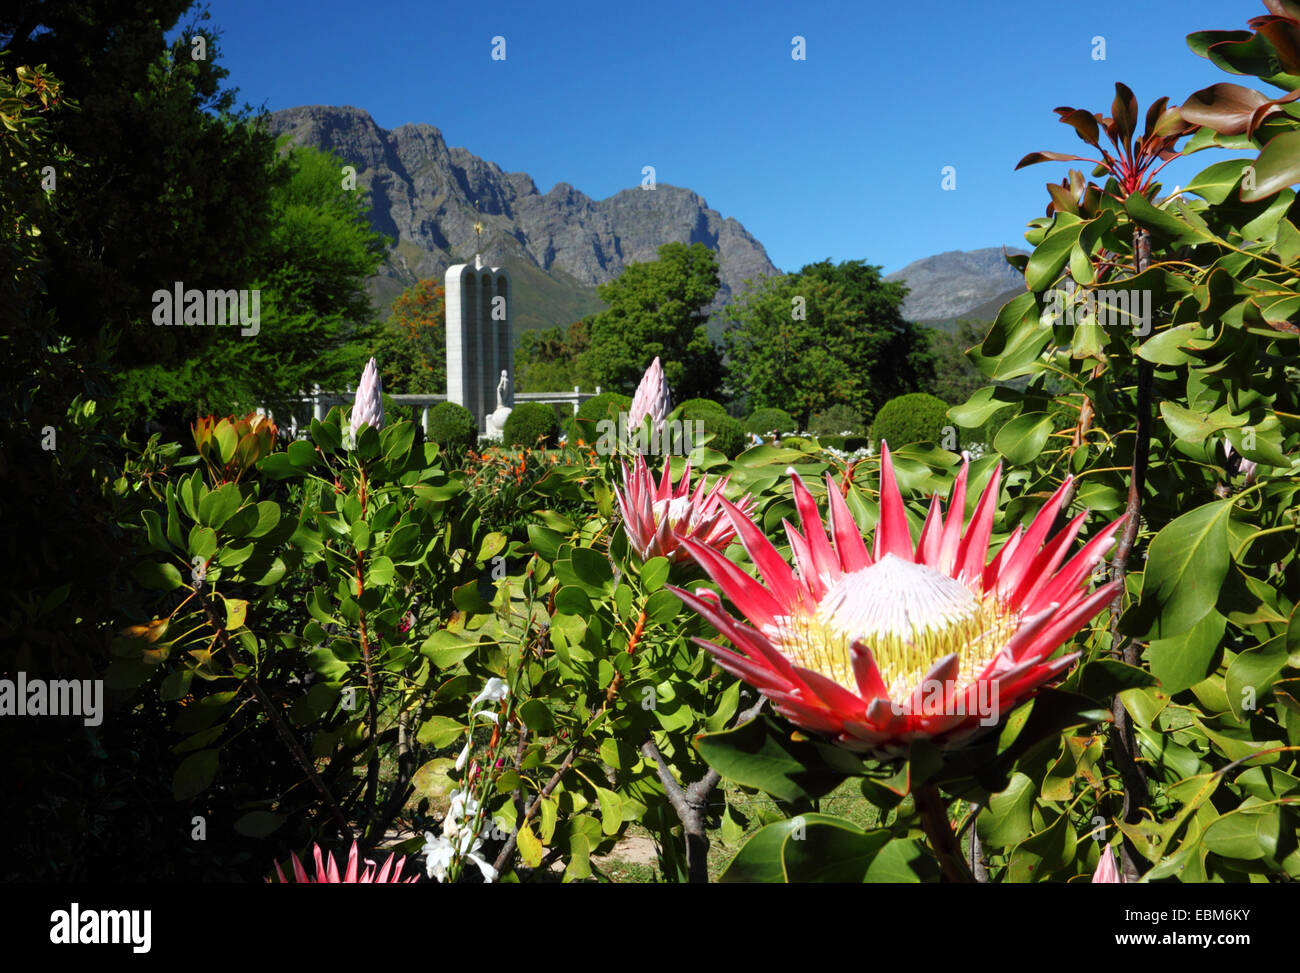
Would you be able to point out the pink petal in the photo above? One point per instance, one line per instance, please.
(892, 534)
(849, 545)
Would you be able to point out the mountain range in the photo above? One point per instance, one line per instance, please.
(426, 197)
(959, 284)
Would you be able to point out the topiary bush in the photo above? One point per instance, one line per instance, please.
(730, 436)
(695, 408)
(532, 424)
(838, 420)
(915, 418)
(452, 427)
(763, 421)
(607, 405)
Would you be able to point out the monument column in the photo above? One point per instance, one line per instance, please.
(479, 343)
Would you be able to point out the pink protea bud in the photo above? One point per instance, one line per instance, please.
(1107, 872)
(369, 404)
(651, 398)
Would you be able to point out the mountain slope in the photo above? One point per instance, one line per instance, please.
(958, 284)
(558, 246)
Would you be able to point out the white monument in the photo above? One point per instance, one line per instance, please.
(479, 344)
(496, 422)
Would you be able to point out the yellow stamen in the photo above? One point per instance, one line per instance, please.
(909, 615)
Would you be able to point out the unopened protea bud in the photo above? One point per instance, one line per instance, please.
(651, 399)
(369, 404)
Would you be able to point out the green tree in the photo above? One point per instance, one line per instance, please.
(174, 184)
(413, 345)
(956, 378)
(828, 335)
(658, 309)
(551, 360)
(317, 324)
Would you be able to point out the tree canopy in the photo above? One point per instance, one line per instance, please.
(657, 309)
(828, 335)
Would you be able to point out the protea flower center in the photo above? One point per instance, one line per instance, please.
(677, 509)
(909, 615)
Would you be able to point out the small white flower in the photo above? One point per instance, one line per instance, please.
(463, 758)
(438, 854)
(495, 691)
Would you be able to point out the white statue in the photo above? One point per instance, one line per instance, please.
(496, 422)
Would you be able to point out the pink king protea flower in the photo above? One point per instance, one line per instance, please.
(937, 643)
(329, 873)
(369, 404)
(657, 516)
(651, 399)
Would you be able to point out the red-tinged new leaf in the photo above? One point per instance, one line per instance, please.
(1085, 123)
(1035, 157)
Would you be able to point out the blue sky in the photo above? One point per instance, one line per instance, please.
(840, 155)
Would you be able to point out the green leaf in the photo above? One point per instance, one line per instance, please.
(536, 715)
(1237, 835)
(1216, 182)
(762, 754)
(572, 600)
(903, 861)
(1008, 819)
(154, 526)
(444, 649)
(157, 576)
(1166, 347)
(1192, 427)
(326, 436)
(759, 860)
(379, 571)
(1104, 678)
(236, 612)
(591, 566)
(982, 405)
(432, 780)
(544, 541)
(611, 811)
(440, 731)
(1022, 439)
(530, 848)
(1048, 259)
(194, 774)
(1163, 223)
(654, 574)
(1183, 660)
(259, 824)
(1277, 167)
(302, 454)
(1253, 672)
(360, 535)
(830, 850)
(175, 685)
(1041, 854)
(1186, 564)
(662, 607)
(215, 508)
